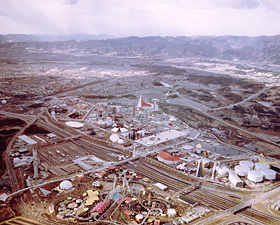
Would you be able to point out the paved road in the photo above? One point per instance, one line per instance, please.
(203, 109)
(245, 100)
(188, 102)
(12, 174)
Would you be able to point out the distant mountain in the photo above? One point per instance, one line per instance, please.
(265, 49)
(51, 38)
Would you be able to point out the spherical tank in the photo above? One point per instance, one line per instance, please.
(198, 147)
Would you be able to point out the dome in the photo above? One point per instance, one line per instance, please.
(261, 166)
(255, 176)
(223, 171)
(269, 174)
(74, 124)
(241, 170)
(198, 147)
(248, 164)
(120, 141)
(65, 185)
(114, 138)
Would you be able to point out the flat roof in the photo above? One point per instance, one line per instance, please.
(74, 124)
(160, 138)
(27, 139)
(187, 200)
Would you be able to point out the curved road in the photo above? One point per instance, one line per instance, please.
(245, 100)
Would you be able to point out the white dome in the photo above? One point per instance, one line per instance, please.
(74, 124)
(198, 147)
(255, 176)
(65, 185)
(249, 164)
(269, 174)
(261, 166)
(120, 141)
(223, 171)
(114, 138)
(241, 170)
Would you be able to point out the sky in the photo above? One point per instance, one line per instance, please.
(141, 17)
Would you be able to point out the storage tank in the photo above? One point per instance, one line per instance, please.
(249, 164)
(223, 171)
(139, 217)
(260, 166)
(269, 174)
(255, 176)
(241, 170)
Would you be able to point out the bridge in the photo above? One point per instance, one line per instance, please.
(190, 188)
(239, 207)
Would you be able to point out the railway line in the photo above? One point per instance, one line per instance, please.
(174, 183)
(212, 200)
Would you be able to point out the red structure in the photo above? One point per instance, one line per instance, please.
(142, 104)
(100, 207)
(167, 157)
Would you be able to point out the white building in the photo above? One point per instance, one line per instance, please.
(234, 179)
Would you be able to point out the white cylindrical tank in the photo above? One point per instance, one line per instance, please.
(139, 217)
(260, 166)
(249, 164)
(241, 170)
(255, 176)
(223, 171)
(269, 174)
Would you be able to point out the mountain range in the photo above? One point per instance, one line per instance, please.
(263, 49)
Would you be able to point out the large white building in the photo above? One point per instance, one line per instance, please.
(234, 179)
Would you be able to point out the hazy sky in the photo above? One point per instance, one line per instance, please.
(141, 17)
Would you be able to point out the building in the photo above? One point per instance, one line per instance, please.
(168, 158)
(141, 104)
(234, 179)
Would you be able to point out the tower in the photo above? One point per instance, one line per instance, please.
(199, 170)
(35, 162)
(134, 152)
(133, 109)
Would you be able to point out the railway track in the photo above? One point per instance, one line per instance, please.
(214, 201)
(209, 198)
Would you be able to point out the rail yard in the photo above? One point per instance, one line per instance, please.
(122, 163)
